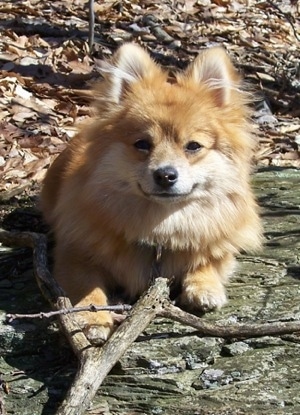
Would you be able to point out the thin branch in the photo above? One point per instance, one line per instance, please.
(236, 331)
(287, 16)
(91, 308)
(160, 34)
(91, 24)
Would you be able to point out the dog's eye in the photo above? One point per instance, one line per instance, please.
(193, 146)
(143, 145)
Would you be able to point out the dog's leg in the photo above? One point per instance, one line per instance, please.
(84, 285)
(204, 289)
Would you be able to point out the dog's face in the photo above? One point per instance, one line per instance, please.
(170, 156)
(168, 152)
(164, 161)
(173, 141)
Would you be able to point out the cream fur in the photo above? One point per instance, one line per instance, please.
(107, 211)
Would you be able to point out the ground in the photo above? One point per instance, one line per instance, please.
(46, 71)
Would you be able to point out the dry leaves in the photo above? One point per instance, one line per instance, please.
(46, 68)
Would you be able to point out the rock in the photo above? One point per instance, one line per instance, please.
(235, 349)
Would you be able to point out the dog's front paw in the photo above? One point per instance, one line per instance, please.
(203, 296)
(97, 327)
(97, 335)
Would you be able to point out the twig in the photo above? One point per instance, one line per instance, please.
(160, 34)
(236, 331)
(92, 308)
(91, 24)
(287, 16)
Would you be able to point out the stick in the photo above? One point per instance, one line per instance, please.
(92, 308)
(91, 24)
(287, 16)
(96, 363)
(236, 331)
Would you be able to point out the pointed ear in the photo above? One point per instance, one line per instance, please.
(214, 68)
(130, 64)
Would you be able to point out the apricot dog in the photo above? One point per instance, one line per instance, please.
(163, 166)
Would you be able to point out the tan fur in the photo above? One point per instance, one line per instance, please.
(109, 214)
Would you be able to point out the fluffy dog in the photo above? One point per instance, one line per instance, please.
(163, 166)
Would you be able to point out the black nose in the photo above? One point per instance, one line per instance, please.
(166, 176)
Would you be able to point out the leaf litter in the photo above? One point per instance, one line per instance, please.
(46, 68)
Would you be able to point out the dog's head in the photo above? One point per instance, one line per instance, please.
(171, 140)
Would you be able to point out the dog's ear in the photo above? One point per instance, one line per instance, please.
(130, 64)
(213, 68)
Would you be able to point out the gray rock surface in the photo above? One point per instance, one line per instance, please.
(171, 369)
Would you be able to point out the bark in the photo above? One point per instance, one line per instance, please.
(96, 363)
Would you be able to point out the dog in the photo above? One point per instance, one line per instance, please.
(157, 178)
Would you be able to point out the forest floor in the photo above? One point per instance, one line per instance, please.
(46, 68)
